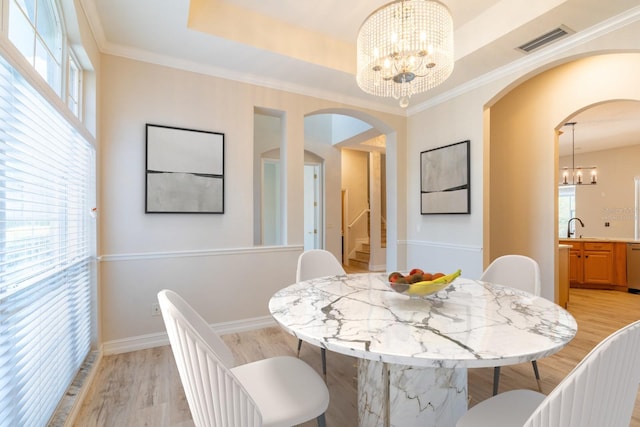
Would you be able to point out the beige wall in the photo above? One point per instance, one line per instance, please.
(523, 150)
(210, 259)
(510, 119)
(447, 242)
(612, 198)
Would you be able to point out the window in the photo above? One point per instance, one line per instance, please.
(74, 85)
(47, 248)
(566, 206)
(35, 29)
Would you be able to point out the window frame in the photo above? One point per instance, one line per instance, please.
(77, 99)
(60, 80)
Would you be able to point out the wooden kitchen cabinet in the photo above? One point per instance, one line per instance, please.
(597, 264)
(576, 266)
(562, 294)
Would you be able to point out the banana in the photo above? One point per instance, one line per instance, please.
(431, 286)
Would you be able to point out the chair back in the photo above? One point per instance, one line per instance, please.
(601, 390)
(316, 263)
(516, 271)
(215, 396)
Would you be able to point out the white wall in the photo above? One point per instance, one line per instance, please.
(210, 259)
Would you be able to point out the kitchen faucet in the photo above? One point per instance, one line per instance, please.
(569, 233)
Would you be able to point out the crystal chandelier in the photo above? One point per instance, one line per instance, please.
(405, 48)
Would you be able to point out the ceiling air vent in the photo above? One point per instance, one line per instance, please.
(545, 39)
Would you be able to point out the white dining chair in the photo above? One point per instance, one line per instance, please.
(313, 264)
(600, 391)
(515, 271)
(276, 392)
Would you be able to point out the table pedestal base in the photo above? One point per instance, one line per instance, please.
(404, 396)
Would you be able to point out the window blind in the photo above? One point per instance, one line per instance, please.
(47, 263)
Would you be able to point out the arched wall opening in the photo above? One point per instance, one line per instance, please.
(521, 153)
(393, 198)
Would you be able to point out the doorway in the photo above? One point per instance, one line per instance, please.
(351, 151)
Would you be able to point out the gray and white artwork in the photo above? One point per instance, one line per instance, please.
(444, 175)
(185, 171)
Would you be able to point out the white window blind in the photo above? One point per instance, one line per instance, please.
(47, 191)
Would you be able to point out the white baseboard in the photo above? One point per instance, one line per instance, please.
(380, 268)
(159, 339)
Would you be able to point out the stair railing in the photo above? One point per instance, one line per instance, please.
(347, 233)
(360, 215)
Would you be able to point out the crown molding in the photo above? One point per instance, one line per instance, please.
(519, 66)
(536, 58)
(247, 78)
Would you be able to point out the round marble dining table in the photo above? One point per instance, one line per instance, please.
(414, 352)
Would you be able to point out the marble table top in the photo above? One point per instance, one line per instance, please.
(468, 324)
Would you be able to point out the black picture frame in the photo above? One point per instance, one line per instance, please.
(184, 170)
(445, 185)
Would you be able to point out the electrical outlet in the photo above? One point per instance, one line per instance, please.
(155, 309)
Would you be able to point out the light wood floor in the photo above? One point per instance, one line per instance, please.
(142, 388)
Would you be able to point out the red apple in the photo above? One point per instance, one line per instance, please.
(393, 277)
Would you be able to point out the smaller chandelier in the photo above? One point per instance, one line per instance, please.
(574, 175)
(405, 48)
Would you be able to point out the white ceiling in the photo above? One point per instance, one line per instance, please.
(604, 126)
(487, 33)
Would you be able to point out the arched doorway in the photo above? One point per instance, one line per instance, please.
(326, 134)
(521, 172)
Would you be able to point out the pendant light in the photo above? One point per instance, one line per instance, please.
(577, 175)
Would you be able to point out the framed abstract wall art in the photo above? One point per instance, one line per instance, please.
(444, 180)
(184, 170)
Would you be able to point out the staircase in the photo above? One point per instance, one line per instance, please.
(362, 255)
(363, 252)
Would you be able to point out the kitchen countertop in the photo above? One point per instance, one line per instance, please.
(598, 239)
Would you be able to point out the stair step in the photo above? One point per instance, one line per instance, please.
(363, 256)
(359, 263)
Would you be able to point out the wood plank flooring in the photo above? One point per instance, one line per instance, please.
(142, 388)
